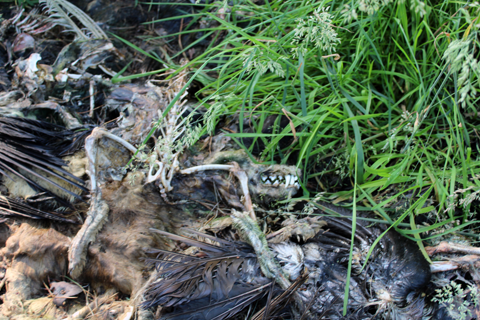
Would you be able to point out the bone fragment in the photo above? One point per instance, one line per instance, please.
(127, 315)
(96, 217)
(238, 172)
(97, 212)
(242, 177)
(251, 233)
(455, 263)
(154, 176)
(472, 257)
(70, 121)
(99, 132)
(207, 167)
(91, 151)
(92, 97)
(445, 247)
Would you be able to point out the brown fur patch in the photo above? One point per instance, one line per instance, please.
(33, 254)
(115, 259)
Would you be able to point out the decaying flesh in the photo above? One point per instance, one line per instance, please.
(128, 209)
(99, 208)
(248, 175)
(108, 234)
(107, 252)
(274, 182)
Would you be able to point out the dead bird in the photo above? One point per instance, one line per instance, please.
(30, 151)
(217, 283)
(224, 273)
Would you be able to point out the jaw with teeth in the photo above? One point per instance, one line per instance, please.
(273, 183)
(274, 180)
(267, 183)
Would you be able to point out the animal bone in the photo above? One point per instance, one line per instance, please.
(98, 211)
(250, 231)
(445, 247)
(96, 217)
(455, 263)
(472, 257)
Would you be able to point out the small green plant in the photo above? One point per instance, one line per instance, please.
(457, 301)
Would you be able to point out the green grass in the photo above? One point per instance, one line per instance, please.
(394, 119)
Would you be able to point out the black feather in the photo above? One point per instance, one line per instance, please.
(15, 208)
(396, 271)
(218, 286)
(32, 146)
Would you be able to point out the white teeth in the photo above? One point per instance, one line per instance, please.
(287, 181)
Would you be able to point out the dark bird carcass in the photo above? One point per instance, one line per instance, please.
(221, 278)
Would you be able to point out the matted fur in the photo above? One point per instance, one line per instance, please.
(116, 257)
(33, 254)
